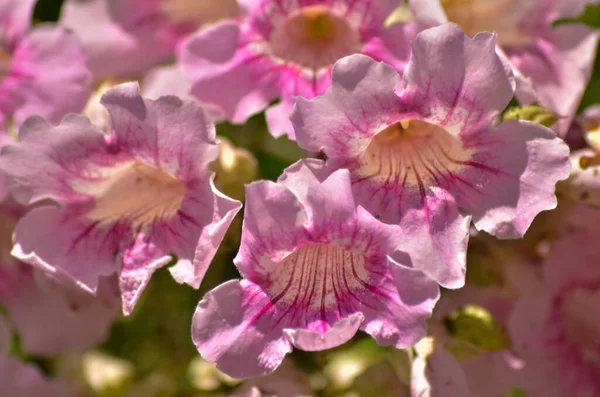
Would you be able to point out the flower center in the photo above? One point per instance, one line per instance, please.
(314, 37)
(198, 11)
(412, 152)
(322, 282)
(501, 16)
(135, 192)
(581, 324)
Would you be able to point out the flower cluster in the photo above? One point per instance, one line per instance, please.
(413, 170)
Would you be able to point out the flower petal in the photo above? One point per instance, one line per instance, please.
(40, 165)
(398, 307)
(278, 119)
(274, 222)
(516, 172)
(226, 76)
(451, 83)
(140, 261)
(358, 104)
(229, 330)
(60, 246)
(15, 19)
(340, 333)
(110, 49)
(560, 67)
(167, 131)
(50, 69)
(192, 272)
(53, 318)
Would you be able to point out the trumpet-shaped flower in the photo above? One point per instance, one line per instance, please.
(316, 269)
(286, 48)
(425, 152)
(124, 201)
(42, 69)
(71, 319)
(555, 61)
(556, 331)
(126, 37)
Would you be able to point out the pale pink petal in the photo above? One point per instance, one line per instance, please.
(278, 119)
(299, 176)
(273, 223)
(559, 67)
(395, 317)
(436, 237)
(48, 239)
(110, 49)
(359, 103)
(571, 8)
(54, 318)
(508, 190)
(166, 80)
(192, 272)
(491, 374)
(226, 76)
(163, 131)
(140, 261)
(247, 345)
(573, 262)
(41, 163)
(49, 69)
(529, 329)
(451, 84)
(428, 12)
(393, 45)
(340, 333)
(15, 19)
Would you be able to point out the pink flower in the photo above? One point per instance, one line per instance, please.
(52, 318)
(283, 49)
(556, 331)
(425, 152)
(126, 37)
(316, 269)
(123, 202)
(49, 317)
(464, 351)
(555, 61)
(42, 69)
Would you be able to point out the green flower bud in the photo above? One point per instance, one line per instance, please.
(476, 325)
(534, 113)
